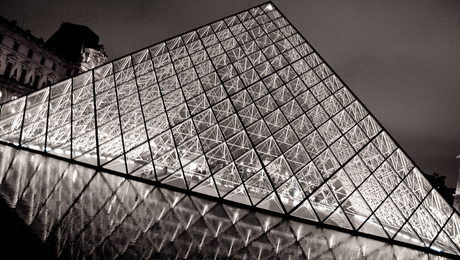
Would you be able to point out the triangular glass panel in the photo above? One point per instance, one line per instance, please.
(146, 172)
(438, 207)
(230, 126)
(372, 226)
(118, 164)
(305, 211)
(204, 120)
(218, 158)
(286, 138)
(196, 171)
(387, 177)
(258, 132)
(338, 218)
(190, 150)
(268, 150)
(266, 105)
(203, 205)
(275, 120)
(389, 215)
(323, 202)
(404, 199)
(161, 144)
(326, 163)
(278, 171)
(290, 193)
(239, 195)
(249, 115)
(341, 185)
(248, 164)
(207, 187)
(175, 179)
(166, 164)
(297, 157)
(227, 179)
(210, 138)
(407, 234)
(309, 178)
(356, 209)
(424, 225)
(444, 243)
(272, 203)
(357, 170)
(258, 186)
(239, 144)
(372, 192)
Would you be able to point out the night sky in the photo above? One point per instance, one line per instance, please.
(401, 58)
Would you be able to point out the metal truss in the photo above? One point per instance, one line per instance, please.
(245, 110)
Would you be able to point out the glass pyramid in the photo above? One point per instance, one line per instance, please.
(241, 112)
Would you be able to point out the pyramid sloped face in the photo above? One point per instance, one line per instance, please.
(245, 110)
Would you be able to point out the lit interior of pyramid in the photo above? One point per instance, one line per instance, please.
(245, 110)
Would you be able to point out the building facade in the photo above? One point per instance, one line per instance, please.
(234, 140)
(28, 63)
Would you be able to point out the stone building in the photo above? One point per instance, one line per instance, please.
(28, 63)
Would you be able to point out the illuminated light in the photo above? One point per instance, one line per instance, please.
(109, 158)
(59, 151)
(67, 152)
(269, 7)
(414, 240)
(406, 237)
(436, 249)
(193, 166)
(74, 178)
(35, 147)
(94, 156)
(16, 144)
(78, 153)
(131, 162)
(13, 110)
(87, 155)
(205, 209)
(360, 217)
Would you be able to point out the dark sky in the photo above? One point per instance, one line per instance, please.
(401, 58)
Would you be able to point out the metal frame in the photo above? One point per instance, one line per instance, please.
(227, 110)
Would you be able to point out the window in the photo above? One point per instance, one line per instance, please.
(15, 46)
(30, 54)
(42, 61)
(54, 66)
(23, 76)
(9, 66)
(13, 97)
(37, 79)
